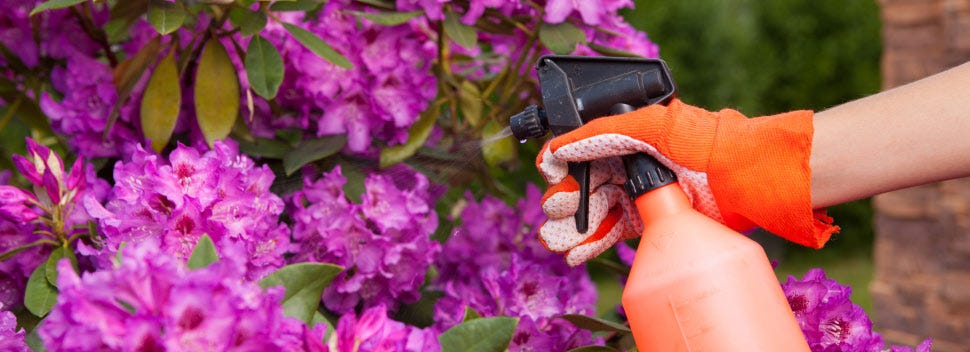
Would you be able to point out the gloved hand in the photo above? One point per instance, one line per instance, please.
(741, 172)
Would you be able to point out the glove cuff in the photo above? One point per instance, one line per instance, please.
(762, 175)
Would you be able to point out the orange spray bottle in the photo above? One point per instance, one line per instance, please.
(695, 284)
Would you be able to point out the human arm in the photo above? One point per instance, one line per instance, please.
(911, 135)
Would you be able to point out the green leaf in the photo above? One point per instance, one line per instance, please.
(27, 110)
(161, 103)
(264, 147)
(50, 266)
(216, 92)
(470, 314)
(388, 18)
(123, 15)
(594, 348)
(594, 324)
(462, 34)
(54, 4)
(204, 253)
(118, 255)
(561, 38)
(420, 313)
(312, 150)
(165, 16)
(313, 43)
(33, 339)
(13, 251)
(354, 187)
(378, 3)
(128, 73)
(249, 22)
(40, 295)
(304, 284)
(264, 67)
(479, 335)
(470, 101)
(608, 51)
(498, 150)
(417, 135)
(298, 5)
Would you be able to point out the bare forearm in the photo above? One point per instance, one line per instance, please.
(911, 135)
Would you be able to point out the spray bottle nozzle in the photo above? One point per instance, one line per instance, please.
(576, 90)
(530, 123)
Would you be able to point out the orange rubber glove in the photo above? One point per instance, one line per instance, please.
(741, 172)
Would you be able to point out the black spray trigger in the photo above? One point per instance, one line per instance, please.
(580, 172)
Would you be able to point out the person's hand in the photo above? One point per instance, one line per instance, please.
(741, 172)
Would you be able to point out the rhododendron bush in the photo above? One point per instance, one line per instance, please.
(299, 175)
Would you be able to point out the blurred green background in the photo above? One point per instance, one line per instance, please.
(767, 57)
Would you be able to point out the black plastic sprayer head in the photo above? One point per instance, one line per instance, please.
(576, 90)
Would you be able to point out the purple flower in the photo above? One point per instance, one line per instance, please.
(390, 85)
(89, 96)
(374, 331)
(384, 242)
(829, 320)
(151, 302)
(847, 328)
(922, 347)
(15, 205)
(52, 213)
(494, 264)
(591, 12)
(172, 203)
(11, 339)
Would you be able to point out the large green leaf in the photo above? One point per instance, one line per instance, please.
(204, 253)
(462, 34)
(417, 136)
(479, 335)
(216, 92)
(317, 46)
(594, 324)
(161, 103)
(123, 15)
(128, 73)
(388, 18)
(264, 147)
(249, 22)
(297, 5)
(304, 284)
(498, 150)
(165, 16)
(312, 150)
(50, 266)
(561, 38)
(40, 295)
(54, 4)
(264, 67)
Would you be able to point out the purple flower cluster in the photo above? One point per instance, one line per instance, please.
(591, 12)
(390, 85)
(829, 320)
(494, 264)
(49, 214)
(172, 203)
(84, 93)
(373, 331)
(11, 339)
(88, 97)
(151, 302)
(383, 243)
(59, 33)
